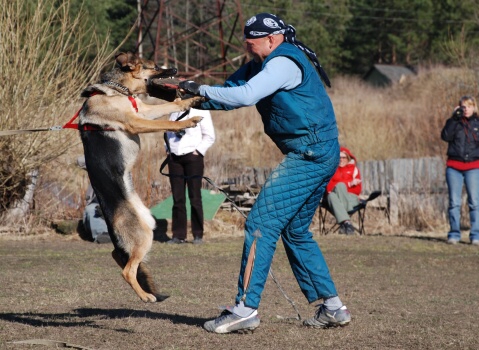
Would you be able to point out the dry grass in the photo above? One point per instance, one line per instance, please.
(402, 121)
(402, 293)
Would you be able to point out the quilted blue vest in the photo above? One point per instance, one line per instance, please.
(303, 115)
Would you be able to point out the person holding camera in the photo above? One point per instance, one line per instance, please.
(186, 150)
(461, 132)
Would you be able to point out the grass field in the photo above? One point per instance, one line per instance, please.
(404, 292)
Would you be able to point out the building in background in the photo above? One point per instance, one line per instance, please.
(382, 75)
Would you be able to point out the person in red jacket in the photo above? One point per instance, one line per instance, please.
(343, 190)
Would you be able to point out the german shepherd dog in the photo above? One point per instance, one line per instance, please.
(109, 123)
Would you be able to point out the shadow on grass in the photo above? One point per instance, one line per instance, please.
(421, 238)
(88, 317)
(438, 240)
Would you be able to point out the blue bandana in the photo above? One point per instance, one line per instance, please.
(264, 24)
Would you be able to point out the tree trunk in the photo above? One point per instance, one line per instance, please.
(21, 207)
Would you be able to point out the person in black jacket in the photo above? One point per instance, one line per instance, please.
(461, 132)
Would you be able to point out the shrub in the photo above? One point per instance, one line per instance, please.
(45, 63)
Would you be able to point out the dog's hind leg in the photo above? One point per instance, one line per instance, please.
(120, 257)
(130, 272)
(143, 275)
(133, 226)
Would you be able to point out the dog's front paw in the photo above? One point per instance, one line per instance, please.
(191, 102)
(191, 122)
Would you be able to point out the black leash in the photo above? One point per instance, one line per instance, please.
(270, 268)
(167, 143)
(207, 179)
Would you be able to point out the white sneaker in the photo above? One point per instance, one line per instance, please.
(325, 318)
(452, 241)
(228, 322)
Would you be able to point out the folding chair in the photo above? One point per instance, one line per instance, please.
(360, 209)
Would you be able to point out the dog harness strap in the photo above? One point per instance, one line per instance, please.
(70, 124)
(91, 127)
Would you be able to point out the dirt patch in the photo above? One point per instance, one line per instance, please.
(404, 292)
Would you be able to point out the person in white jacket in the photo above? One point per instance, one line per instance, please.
(186, 151)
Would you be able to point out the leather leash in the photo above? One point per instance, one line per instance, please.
(70, 124)
(167, 143)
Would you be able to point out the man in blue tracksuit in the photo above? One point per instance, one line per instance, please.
(284, 82)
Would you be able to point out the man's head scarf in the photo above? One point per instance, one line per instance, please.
(264, 24)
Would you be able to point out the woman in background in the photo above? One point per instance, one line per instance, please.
(343, 190)
(461, 132)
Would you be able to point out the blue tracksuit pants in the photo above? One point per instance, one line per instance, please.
(285, 208)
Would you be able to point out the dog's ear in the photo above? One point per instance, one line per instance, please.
(121, 59)
(126, 61)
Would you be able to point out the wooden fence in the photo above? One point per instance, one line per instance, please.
(407, 185)
(420, 175)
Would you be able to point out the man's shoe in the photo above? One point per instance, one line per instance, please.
(228, 322)
(452, 241)
(325, 318)
(198, 240)
(342, 229)
(175, 240)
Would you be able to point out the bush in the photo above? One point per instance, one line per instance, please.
(45, 62)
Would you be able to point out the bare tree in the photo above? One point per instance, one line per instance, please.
(48, 56)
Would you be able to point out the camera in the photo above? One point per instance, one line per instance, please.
(458, 113)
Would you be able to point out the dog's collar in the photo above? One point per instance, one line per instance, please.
(123, 89)
(117, 86)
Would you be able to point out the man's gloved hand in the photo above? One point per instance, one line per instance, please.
(190, 87)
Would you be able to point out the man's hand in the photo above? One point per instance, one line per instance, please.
(190, 87)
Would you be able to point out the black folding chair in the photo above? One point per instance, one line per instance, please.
(360, 209)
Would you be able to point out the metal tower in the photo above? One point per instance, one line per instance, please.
(202, 39)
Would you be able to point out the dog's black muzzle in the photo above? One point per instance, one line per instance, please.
(163, 86)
